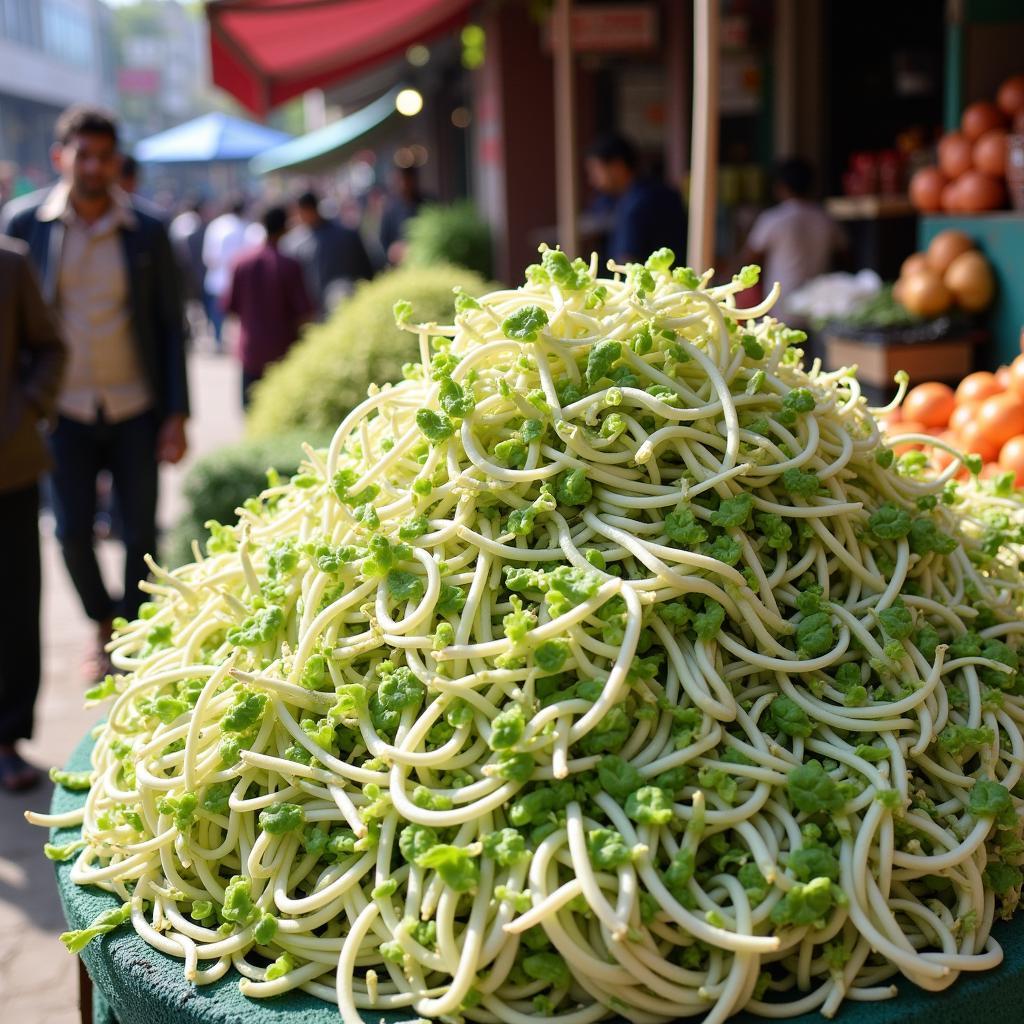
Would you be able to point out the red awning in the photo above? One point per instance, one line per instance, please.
(267, 51)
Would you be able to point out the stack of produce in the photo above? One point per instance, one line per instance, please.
(609, 664)
(984, 416)
(971, 172)
(949, 273)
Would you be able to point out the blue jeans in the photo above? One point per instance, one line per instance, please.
(215, 314)
(128, 450)
(248, 379)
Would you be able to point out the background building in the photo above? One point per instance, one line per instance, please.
(163, 75)
(52, 53)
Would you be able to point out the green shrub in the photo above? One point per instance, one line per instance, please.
(452, 234)
(328, 371)
(222, 480)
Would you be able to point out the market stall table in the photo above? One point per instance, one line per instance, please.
(135, 984)
(879, 355)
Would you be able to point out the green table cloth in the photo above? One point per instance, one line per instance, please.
(136, 984)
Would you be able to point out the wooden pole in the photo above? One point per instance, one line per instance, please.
(678, 107)
(785, 54)
(565, 128)
(700, 250)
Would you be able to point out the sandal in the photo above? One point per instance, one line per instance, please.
(16, 774)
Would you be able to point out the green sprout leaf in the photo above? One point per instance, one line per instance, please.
(525, 323)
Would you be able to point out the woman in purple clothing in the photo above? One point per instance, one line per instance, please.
(268, 295)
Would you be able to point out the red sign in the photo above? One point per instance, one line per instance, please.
(138, 81)
(612, 28)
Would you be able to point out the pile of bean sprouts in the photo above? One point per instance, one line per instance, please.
(609, 665)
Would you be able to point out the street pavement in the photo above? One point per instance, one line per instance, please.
(38, 979)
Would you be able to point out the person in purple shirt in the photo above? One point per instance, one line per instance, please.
(647, 214)
(268, 295)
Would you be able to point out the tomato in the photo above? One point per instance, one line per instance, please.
(1003, 378)
(989, 154)
(1011, 96)
(979, 118)
(1011, 458)
(976, 386)
(962, 415)
(955, 151)
(989, 470)
(976, 440)
(926, 189)
(931, 404)
(1016, 375)
(977, 192)
(1001, 417)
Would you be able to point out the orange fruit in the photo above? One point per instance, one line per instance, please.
(1001, 417)
(976, 386)
(931, 404)
(977, 441)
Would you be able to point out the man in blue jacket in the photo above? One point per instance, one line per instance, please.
(108, 273)
(646, 214)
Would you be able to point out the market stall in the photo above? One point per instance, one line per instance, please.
(615, 664)
(962, 191)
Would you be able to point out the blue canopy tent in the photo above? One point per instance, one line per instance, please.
(208, 139)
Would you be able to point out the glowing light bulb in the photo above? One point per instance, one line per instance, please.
(409, 102)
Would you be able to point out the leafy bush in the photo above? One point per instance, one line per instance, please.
(452, 234)
(222, 480)
(328, 371)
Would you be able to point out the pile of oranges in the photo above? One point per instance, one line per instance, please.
(972, 162)
(984, 415)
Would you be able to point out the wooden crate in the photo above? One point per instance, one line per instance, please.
(948, 360)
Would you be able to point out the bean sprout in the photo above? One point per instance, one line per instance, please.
(609, 664)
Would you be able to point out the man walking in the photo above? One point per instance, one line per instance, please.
(646, 214)
(109, 274)
(224, 239)
(186, 233)
(268, 295)
(332, 255)
(32, 357)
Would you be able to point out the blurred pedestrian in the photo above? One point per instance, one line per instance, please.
(128, 178)
(403, 202)
(32, 358)
(332, 254)
(795, 240)
(647, 213)
(108, 272)
(225, 238)
(186, 232)
(268, 295)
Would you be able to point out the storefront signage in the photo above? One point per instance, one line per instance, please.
(611, 28)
